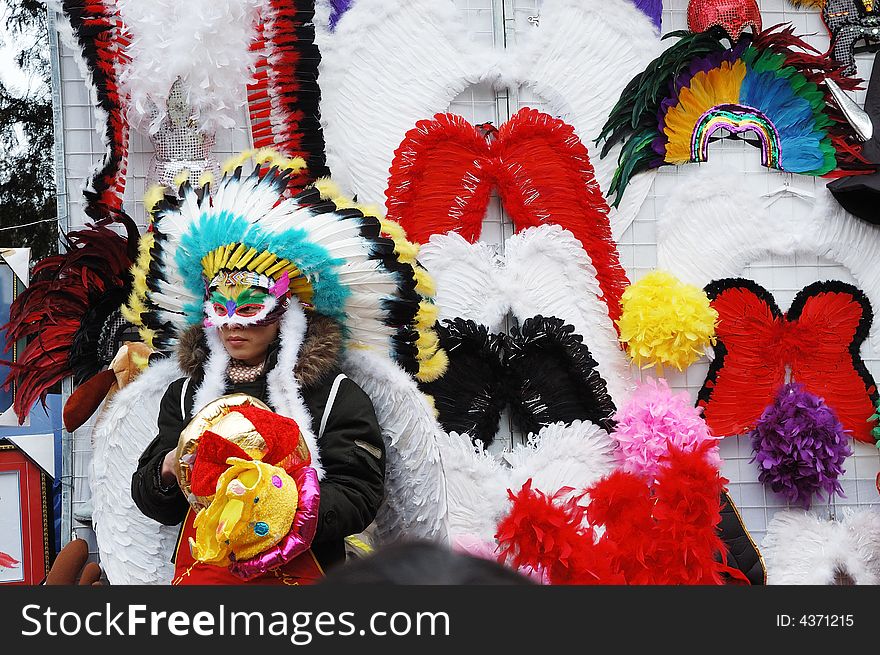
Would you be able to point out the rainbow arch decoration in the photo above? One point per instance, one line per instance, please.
(769, 85)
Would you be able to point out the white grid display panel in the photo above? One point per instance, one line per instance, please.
(83, 150)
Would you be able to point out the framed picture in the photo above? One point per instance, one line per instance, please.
(24, 519)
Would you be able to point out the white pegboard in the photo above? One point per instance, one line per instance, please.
(487, 25)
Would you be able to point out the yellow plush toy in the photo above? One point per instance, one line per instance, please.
(252, 510)
(240, 466)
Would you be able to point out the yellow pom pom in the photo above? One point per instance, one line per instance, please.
(665, 322)
(432, 368)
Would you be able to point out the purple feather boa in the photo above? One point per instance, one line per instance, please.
(338, 7)
(652, 9)
(800, 447)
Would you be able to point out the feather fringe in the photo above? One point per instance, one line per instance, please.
(205, 43)
(818, 339)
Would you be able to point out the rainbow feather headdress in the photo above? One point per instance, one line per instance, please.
(767, 84)
(342, 261)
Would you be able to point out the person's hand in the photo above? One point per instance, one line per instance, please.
(169, 471)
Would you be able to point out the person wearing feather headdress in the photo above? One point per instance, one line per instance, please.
(267, 327)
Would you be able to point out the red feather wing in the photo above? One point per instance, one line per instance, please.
(747, 369)
(545, 176)
(441, 179)
(834, 319)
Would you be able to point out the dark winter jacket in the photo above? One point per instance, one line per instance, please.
(351, 449)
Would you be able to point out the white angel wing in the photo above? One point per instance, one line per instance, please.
(476, 486)
(549, 273)
(608, 43)
(467, 279)
(133, 548)
(370, 99)
(576, 455)
(801, 547)
(415, 504)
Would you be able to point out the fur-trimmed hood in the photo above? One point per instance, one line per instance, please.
(320, 350)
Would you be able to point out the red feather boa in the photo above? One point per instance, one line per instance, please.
(660, 535)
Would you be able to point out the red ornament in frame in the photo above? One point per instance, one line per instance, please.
(24, 519)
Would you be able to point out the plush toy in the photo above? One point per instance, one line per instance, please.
(128, 363)
(71, 566)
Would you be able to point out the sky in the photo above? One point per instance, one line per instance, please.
(10, 74)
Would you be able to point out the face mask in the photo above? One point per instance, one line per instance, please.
(245, 298)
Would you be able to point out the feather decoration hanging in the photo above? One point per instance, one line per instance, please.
(653, 534)
(95, 32)
(63, 313)
(654, 421)
(477, 482)
(768, 84)
(800, 447)
(544, 271)
(284, 98)
(206, 43)
(803, 548)
(816, 343)
(542, 369)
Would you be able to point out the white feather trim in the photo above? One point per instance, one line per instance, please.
(204, 42)
(802, 548)
(546, 272)
(576, 455)
(284, 391)
(713, 226)
(415, 503)
(432, 63)
(467, 277)
(133, 548)
(213, 383)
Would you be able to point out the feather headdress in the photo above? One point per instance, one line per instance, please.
(284, 96)
(766, 84)
(336, 259)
